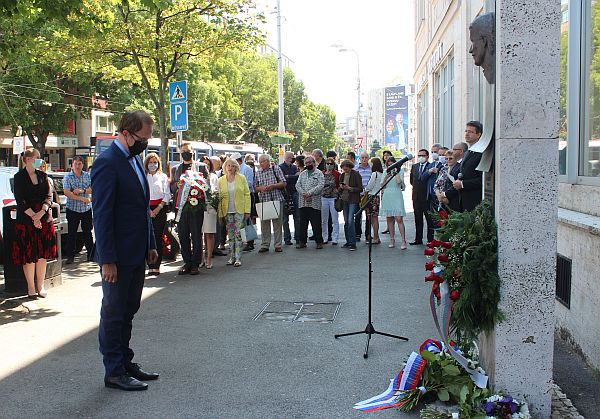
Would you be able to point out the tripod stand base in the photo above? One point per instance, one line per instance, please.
(370, 330)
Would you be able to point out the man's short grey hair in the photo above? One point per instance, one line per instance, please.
(438, 145)
(318, 152)
(307, 158)
(462, 146)
(289, 154)
(264, 157)
(364, 154)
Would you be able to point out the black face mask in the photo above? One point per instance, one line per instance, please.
(137, 147)
(186, 156)
(309, 167)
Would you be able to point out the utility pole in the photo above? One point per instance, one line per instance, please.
(280, 70)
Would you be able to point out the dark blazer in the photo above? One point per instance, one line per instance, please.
(430, 179)
(28, 195)
(419, 190)
(472, 179)
(451, 193)
(121, 209)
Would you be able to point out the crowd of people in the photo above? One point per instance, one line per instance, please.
(217, 202)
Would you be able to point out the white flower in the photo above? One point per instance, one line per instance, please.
(203, 186)
(194, 192)
(193, 202)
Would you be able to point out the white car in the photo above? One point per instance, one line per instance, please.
(7, 196)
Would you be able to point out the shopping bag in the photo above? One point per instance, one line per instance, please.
(268, 210)
(249, 233)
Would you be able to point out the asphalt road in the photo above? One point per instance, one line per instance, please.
(215, 360)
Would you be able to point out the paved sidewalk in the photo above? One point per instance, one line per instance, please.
(214, 359)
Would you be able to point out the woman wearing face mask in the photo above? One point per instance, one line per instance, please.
(160, 195)
(331, 178)
(392, 204)
(35, 241)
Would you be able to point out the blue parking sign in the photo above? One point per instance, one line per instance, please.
(179, 116)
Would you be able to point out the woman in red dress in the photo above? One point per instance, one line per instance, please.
(35, 241)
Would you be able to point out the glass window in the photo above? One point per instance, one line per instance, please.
(102, 124)
(444, 111)
(564, 55)
(589, 163)
(423, 118)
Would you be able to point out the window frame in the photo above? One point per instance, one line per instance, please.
(578, 65)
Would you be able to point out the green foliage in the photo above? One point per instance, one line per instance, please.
(472, 269)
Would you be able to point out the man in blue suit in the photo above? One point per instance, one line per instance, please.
(430, 175)
(124, 242)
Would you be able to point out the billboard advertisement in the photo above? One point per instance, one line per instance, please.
(396, 118)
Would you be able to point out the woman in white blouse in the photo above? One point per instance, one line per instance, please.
(371, 189)
(209, 226)
(160, 195)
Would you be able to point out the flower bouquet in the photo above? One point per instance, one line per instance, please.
(193, 193)
(499, 406)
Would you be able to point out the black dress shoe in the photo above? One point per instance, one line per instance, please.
(415, 243)
(125, 382)
(136, 371)
(194, 270)
(185, 269)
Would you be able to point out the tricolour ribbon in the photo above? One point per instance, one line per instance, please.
(446, 303)
(407, 379)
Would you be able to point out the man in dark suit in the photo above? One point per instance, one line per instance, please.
(469, 183)
(419, 197)
(124, 242)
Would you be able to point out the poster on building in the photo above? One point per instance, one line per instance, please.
(396, 118)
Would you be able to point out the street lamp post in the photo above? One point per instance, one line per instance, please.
(342, 48)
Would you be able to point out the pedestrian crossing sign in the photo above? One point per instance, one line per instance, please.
(178, 91)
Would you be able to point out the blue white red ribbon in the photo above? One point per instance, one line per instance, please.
(407, 379)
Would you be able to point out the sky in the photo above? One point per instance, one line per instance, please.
(380, 31)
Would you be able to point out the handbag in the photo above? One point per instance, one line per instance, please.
(248, 233)
(338, 204)
(288, 200)
(268, 210)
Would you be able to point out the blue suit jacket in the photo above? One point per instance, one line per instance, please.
(121, 210)
(430, 178)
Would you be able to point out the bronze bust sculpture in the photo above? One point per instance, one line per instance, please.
(482, 33)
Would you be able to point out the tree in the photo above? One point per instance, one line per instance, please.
(153, 42)
(35, 94)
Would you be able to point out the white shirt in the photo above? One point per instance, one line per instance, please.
(230, 192)
(159, 187)
(374, 182)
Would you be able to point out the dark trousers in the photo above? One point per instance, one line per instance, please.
(421, 209)
(120, 302)
(73, 220)
(358, 225)
(287, 234)
(158, 223)
(221, 237)
(189, 229)
(308, 214)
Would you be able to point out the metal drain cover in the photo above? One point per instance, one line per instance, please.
(304, 312)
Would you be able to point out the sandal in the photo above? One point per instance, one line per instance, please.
(403, 247)
(230, 262)
(378, 241)
(237, 263)
(392, 243)
(208, 266)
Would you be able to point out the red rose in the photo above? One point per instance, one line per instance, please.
(430, 245)
(441, 223)
(443, 215)
(447, 245)
(429, 252)
(430, 278)
(436, 243)
(454, 295)
(429, 266)
(443, 257)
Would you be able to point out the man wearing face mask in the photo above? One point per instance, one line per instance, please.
(430, 175)
(189, 226)
(419, 197)
(124, 243)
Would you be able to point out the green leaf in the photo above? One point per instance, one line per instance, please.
(451, 370)
(464, 392)
(428, 356)
(443, 395)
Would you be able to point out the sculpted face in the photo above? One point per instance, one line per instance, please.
(478, 45)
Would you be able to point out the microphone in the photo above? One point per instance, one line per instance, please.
(399, 163)
(460, 176)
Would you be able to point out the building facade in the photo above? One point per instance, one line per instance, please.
(449, 92)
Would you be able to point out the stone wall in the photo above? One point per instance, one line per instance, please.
(579, 240)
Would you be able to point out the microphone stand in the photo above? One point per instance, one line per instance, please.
(369, 329)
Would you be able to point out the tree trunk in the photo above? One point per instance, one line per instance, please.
(40, 143)
(162, 122)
